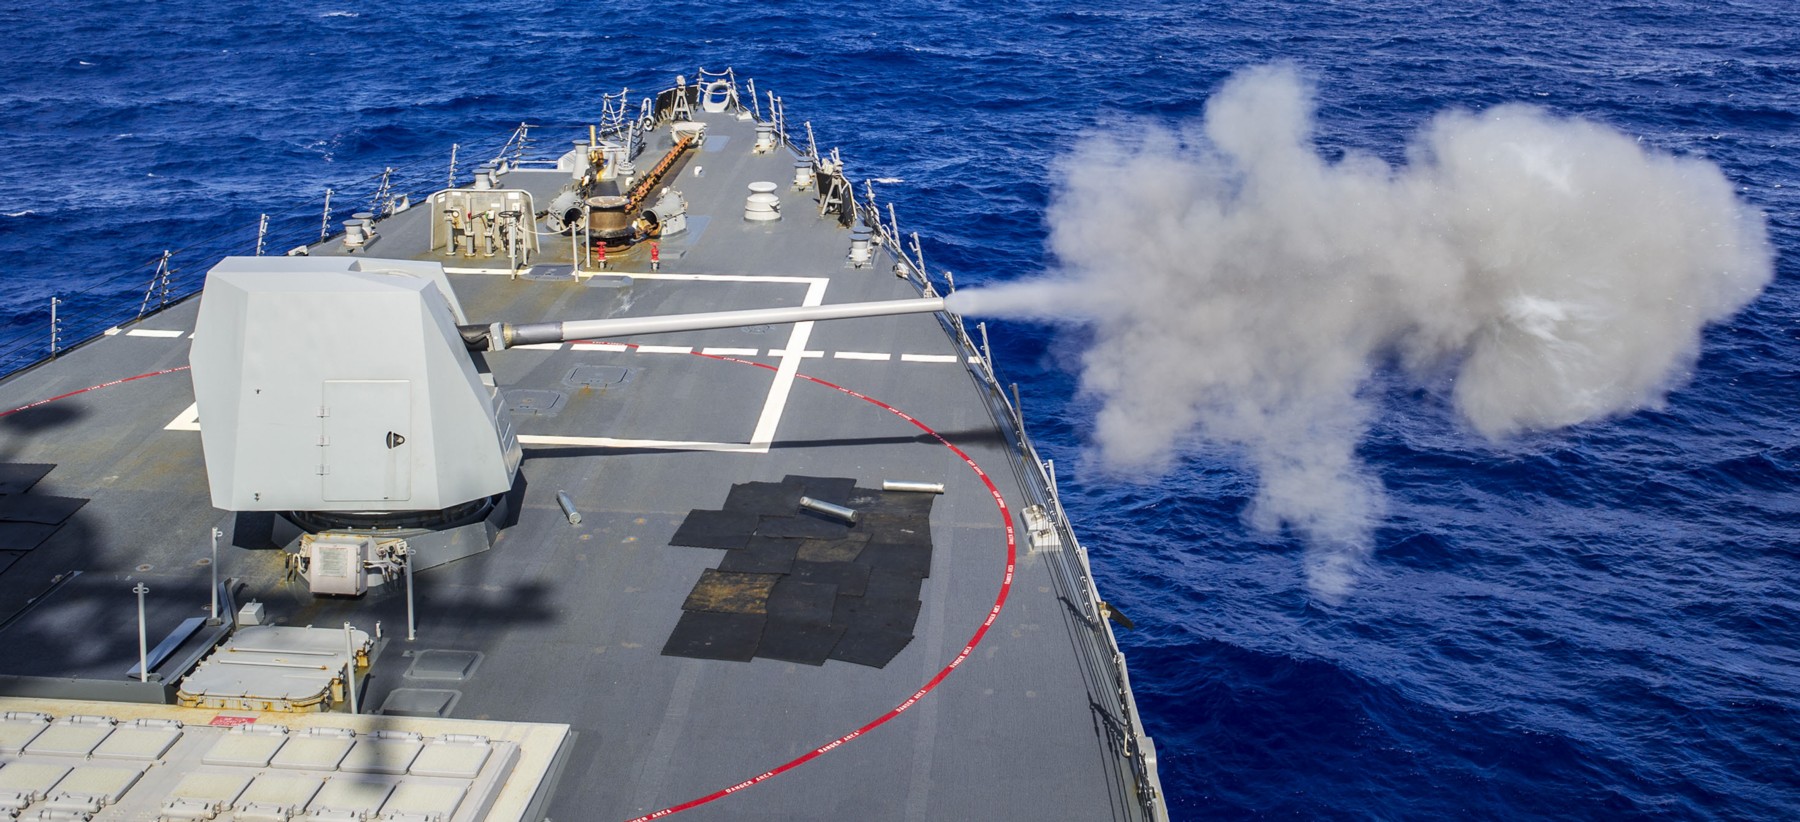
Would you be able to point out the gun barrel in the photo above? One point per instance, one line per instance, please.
(500, 336)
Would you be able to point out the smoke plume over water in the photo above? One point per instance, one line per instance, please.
(1242, 290)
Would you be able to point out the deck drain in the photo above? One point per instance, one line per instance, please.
(597, 376)
(535, 402)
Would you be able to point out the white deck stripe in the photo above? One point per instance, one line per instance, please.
(862, 355)
(667, 445)
(665, 349)
(782, 352)
(725, 278)
(788, 366)
(151, 332)
(594, 346)
(731, 352)
(187, 420)
(542, 346)
(928, 358)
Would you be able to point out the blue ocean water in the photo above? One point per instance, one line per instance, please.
(1600, 622)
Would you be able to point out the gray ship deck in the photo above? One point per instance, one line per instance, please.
(569, 621)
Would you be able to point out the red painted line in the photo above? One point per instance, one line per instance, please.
(30, 406)
(968, 649)
(923, 691)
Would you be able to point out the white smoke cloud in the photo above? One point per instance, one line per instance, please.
(1242, 290)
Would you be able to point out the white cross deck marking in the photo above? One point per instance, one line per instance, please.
(761, 437)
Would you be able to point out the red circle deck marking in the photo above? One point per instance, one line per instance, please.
(969, 648)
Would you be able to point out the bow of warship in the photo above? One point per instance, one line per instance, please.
(640, 476)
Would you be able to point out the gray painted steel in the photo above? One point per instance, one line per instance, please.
(326, 389)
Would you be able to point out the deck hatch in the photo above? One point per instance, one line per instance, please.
(454, 666)
(429, 702)
(535, 402)
(598, 376)
(16, 731)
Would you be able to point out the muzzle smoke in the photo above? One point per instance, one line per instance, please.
(1242, 290)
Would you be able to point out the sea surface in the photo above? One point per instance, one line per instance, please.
(1595, 623)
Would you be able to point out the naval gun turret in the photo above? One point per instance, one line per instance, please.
(351, 398)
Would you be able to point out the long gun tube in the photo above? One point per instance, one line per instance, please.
(501, 336)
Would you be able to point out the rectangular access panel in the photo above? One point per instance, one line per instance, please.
(365, 454)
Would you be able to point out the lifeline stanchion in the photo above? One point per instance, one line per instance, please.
(216, 533)
(410, 623)
(350, 668)
(143, 637)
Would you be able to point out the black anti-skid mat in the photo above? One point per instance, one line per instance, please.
(7, 558)
(848, 578)
(860, 615)
(38, 508)
(708, 635)
(800, 587)
(801, 642)
(730, 593)
(907, 527)
(886, 584)
(832, 550)
(762, 555)
(18, 477)
(715, 529)
(835, 490)
(874, 649)
(905, 558)
(24, 536)
(802, 526)
(798, 601)
(762, 497)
